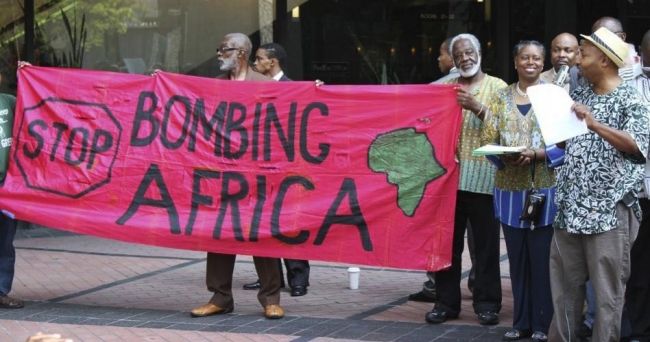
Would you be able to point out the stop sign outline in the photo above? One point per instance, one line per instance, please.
(92, 187)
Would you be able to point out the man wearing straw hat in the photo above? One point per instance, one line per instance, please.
(598, 209)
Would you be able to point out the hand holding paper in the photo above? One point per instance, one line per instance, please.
(552, 107)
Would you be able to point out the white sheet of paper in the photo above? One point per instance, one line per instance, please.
(489, 150)
(552, 105)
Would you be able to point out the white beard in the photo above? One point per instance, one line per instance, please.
(472, 71)
(228, 64)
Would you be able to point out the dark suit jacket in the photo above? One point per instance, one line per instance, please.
(251, 75)
(297, 270)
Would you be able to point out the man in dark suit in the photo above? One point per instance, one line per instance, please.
(233, 54)
(269, 60)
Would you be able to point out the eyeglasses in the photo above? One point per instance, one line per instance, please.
(224, 49)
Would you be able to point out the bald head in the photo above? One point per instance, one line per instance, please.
(565, 37)
(611, 24)
(564, 50)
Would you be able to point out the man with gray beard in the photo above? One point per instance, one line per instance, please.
(233, 55)
(474, 202)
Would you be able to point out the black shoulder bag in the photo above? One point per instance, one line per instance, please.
(534, 200)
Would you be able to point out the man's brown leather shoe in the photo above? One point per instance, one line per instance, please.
(209, 310)
(273, 311)
(7, 302)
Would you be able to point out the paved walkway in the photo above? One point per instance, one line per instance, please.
(92, 289)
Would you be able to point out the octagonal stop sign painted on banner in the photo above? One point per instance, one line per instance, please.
(76, 139)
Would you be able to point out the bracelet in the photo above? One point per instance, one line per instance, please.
(480, 111)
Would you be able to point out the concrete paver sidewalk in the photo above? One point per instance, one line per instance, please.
(92, 289)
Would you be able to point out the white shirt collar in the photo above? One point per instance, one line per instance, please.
(278, 76)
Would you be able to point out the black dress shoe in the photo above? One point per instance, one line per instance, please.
(298, 291)
(488, 318)
(515, 335)
(437, 316)
(252, 286)
(421, 297)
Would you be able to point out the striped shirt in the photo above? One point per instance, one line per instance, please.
(509, 204)
(476, 173)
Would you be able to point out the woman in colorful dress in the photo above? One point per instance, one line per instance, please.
(512, 122)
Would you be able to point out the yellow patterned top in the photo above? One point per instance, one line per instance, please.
(476, 173)
(507, 126)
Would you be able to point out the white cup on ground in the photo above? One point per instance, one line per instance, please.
(353, 276)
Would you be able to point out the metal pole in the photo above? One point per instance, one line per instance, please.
(280, 34)
(29, 31)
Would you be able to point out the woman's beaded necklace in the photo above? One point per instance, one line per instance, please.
(521, 92)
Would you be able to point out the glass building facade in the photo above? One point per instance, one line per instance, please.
(337, 41)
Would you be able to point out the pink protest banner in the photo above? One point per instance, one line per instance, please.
(356, 174)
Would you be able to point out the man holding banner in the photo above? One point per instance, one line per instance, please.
(7, 224)
(269, 60)
(233, 54)
(474, 201)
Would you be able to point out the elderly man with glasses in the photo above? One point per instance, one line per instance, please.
(233, 55)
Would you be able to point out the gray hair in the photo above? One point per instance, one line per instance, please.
(470, 37)
(241, 41)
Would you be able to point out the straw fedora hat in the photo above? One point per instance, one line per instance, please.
(610, 44)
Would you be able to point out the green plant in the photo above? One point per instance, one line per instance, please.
(75, 57)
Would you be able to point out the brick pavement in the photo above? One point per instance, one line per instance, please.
(92, 289)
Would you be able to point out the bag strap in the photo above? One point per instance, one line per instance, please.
(532, 168)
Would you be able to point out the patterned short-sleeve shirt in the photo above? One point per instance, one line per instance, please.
(595, 175)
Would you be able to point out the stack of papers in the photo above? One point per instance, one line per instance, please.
(490, 150)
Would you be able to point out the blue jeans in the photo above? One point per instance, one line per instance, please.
(7, 253)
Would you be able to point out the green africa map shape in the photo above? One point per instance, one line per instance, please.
(409, 160)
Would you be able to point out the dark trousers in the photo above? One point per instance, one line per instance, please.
(7, 253)
(297, 272)
(429, 286)
(479, 210)
(529, 252)
(637, 293)
(218, 278)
